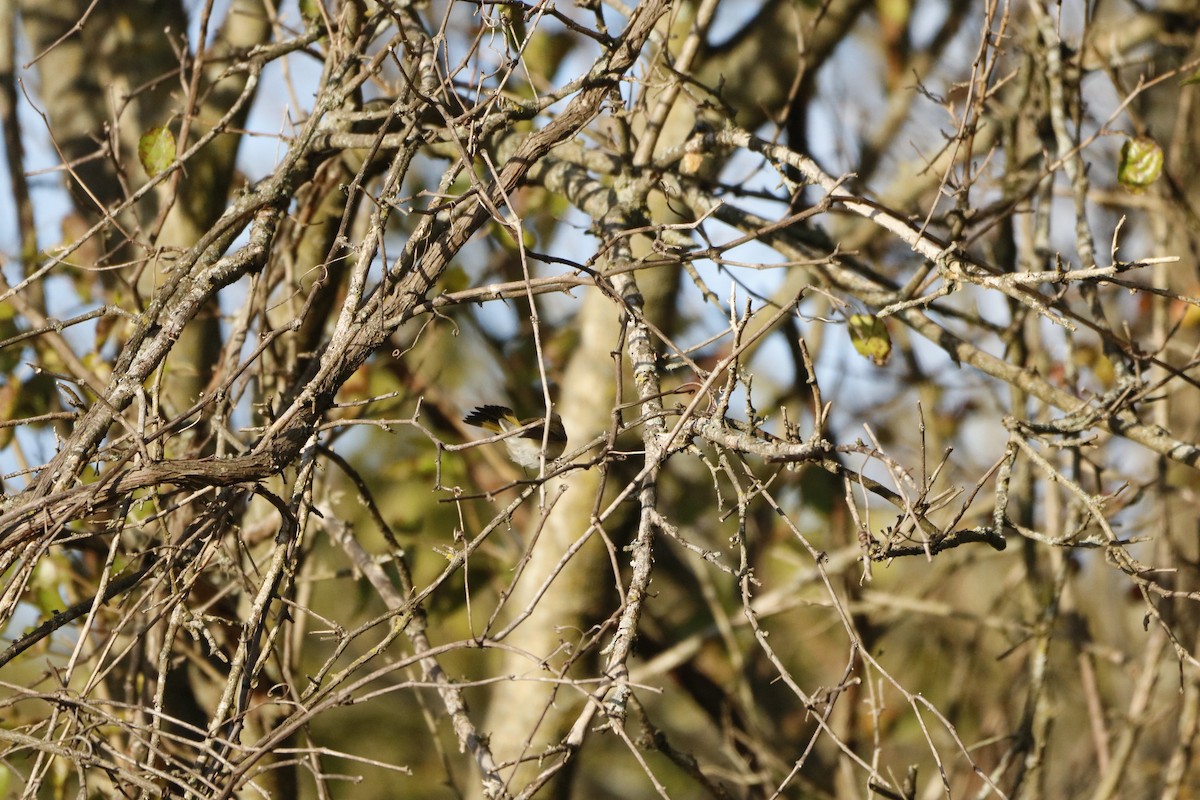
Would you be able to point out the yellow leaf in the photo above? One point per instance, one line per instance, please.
(156, 150)
(870, 338)
(1141, 164)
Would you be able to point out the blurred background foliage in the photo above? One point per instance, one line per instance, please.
(248, 548)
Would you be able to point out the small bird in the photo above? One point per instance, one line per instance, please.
(524, 448)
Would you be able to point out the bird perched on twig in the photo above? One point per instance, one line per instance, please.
(525, 447)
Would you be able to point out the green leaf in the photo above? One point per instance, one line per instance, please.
(1195, 78)
(156, 149)
(46, 586)
(313, 14)
(894, 12)
(870, 338)
(1141, 164)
